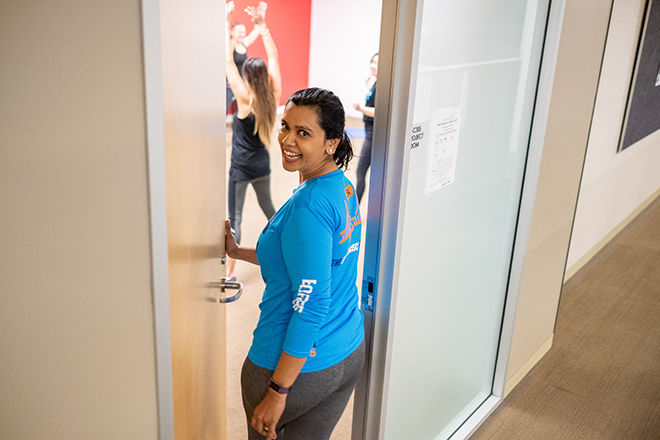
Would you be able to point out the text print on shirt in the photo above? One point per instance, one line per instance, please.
(352, 248)
(304, 291)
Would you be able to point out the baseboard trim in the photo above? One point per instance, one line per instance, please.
(527, 366)
(575, 267)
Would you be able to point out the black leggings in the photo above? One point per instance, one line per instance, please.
(364, 162)
(314, 404)
(236, 198)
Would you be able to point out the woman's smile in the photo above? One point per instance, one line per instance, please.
(291, 156)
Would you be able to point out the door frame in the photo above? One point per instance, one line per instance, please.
(155, 129)
(396, 85)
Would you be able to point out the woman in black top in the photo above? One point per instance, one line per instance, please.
(368, 110)
(257, 94)
(240, 41)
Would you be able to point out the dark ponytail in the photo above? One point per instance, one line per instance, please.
(344, 152)
(332, 119)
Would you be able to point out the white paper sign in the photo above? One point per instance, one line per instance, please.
(444, 148)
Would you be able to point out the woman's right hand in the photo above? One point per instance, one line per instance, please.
(230, 241)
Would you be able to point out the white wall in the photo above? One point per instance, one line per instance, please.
(614, 184)
(344, 36)
(574, 90)
(76, 316)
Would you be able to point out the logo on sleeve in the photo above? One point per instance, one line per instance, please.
(349, 191)
(351, 222)
(304, 291)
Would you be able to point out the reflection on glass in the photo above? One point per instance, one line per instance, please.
(476, 81)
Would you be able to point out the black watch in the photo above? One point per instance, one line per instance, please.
(278, 388)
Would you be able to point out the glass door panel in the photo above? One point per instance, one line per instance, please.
(477, 71)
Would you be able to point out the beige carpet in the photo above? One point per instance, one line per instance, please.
(601, 379)
(242, 315)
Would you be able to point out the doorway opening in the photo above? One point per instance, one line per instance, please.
(331, 46)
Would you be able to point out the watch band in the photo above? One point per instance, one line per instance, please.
(278, 388)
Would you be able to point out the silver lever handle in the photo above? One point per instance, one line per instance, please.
(225, 285)
(231, 285)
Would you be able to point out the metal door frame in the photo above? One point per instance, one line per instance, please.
(155, 128)
(396, 87)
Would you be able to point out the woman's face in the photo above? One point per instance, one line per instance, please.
(374, 65)
(238, 33)
(303, 144)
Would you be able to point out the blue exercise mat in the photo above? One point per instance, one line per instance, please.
(355, 133)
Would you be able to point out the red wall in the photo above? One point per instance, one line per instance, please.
(289, 24)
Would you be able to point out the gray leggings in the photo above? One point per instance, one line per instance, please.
(316, 400)
(236, 198)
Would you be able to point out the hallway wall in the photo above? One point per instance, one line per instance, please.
(614, 185)
(76, 326)
(582, 41)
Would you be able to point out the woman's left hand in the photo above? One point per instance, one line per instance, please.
(268, 413)
(258, 14)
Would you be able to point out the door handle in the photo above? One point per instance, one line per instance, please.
(230, 285)
(224, 284)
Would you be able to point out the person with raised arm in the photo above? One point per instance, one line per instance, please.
(240, 41)
(257, 94)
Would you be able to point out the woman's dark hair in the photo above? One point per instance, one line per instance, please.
(331, 118)
(255, 73)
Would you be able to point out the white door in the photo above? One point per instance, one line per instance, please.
(452, 138)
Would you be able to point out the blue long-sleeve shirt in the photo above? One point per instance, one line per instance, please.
(308, 256)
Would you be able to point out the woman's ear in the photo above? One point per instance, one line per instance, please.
(331, 146)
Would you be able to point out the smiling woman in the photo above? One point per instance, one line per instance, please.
(307, 352)
(312, 136)
(303, 144)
